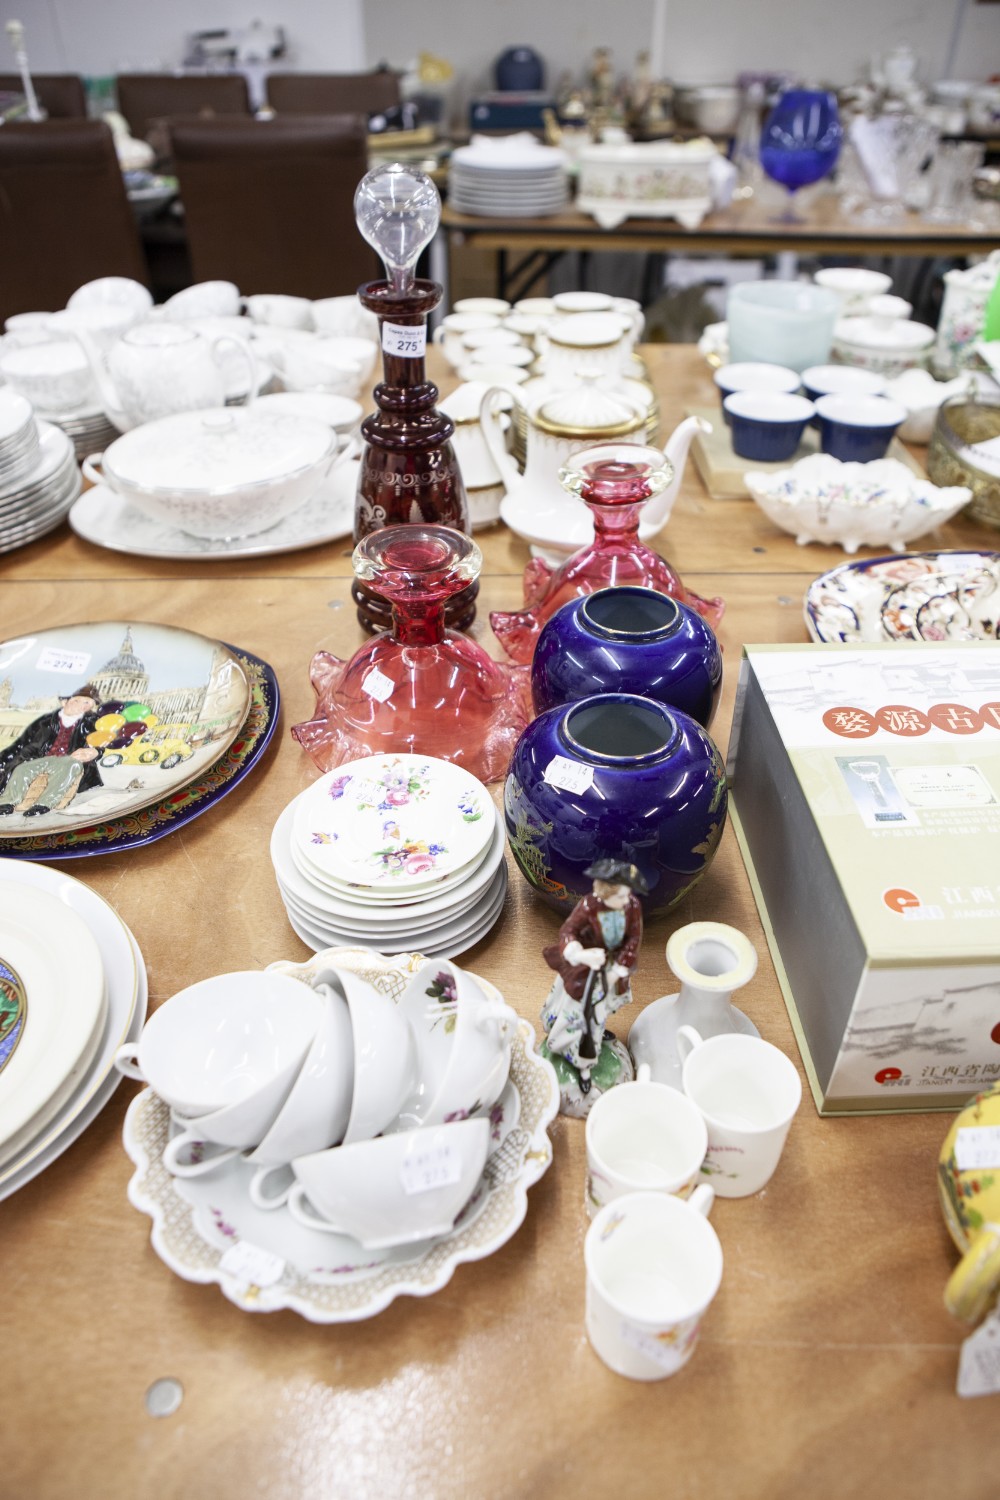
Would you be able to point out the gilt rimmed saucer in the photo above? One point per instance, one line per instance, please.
(916, 596)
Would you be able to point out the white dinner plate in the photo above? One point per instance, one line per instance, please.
(52, 973)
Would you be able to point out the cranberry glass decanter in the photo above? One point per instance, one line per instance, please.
(423, 688)
(409, 472)
(615, 480)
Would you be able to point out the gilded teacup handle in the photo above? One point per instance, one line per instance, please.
(974, 1281)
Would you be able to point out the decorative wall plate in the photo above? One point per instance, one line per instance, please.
(101, 720)
(186, 803)
(207, 1230)
(919, 596)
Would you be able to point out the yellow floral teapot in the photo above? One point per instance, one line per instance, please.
(970, 1199)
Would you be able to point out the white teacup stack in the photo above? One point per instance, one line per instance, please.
(393, 851)
(363, 1116)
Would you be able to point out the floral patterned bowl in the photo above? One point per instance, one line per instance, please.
(821, 499)
(923, 596)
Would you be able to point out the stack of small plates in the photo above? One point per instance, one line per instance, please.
(35, 498)
(89, 431)
(392, 852)
(511, 178)
(72, 991)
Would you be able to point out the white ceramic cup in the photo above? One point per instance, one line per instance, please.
(451, 330)
(54, 376)
(323, 369)
(654, 1263)
(747, 1091)
(473, 306)
(384, 1054)
(394, 1190)
(113, 291)
(279, 310)
(642, 1136)
(206, 299)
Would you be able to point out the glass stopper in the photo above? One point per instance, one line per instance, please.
(398, 210)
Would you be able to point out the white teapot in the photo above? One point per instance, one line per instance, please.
(536, 506)
(157, 369)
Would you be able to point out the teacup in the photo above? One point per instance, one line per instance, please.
(318, 368)
(754, 375)
(494, 306)
(345, 315)
(858, 429)
(654, 1264)
(206, 299)
(767, 426)
(395, 1190)
(339, 412)
(27, 328)
(103, 322)
(451, 330)
(385, 1065)
(463, 1038)
(314, 1116)
(216, 1042)
(53, 376)
(642, 1136)
(353, 347)
(568, 304)
(113, 291)
(280, 311)
(841, 380)
(747, 1091)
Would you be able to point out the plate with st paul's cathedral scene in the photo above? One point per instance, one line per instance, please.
(100, 720)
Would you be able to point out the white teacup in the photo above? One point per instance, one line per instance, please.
(104, 322)
(395, 1190)
(216, 1042)
(452, 329)
(54, 376)
(495, 306)
(206, 299)
(113, 291)
(338, 412)
(315, 368)
(345, 315)
(654, 1264)
(384, 1054)
(28, 328)
(568, 304)
(642, 1136)
(358, 350)
(279, 310)
(747, 1091)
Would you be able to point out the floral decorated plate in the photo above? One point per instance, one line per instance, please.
(880, 504)
(207, 1229)
(393, 823)
(177, 809)
(105, 719)
(920, 596)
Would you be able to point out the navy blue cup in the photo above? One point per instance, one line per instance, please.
(753, 375)
(767, 426)
(858, 429)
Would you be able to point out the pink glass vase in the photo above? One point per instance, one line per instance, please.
(409, 472)
(423, 688)
(615, 480)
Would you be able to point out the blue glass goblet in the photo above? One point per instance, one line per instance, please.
(800, 142)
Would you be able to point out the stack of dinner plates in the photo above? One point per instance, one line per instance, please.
(88, 431)
(392, 852)
(72, 991)
(18, 436)
(511, 178)
(35, 497)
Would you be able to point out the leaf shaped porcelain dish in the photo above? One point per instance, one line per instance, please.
(207, 1229)
(880, 504)
(922, 596)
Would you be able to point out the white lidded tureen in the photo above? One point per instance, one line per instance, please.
(222, 472)
(821, 499)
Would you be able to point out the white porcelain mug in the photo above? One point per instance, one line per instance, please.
(747, 1092)
(642, 1136)
(654, 1264)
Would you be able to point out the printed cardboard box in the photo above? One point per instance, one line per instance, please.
(866, 798)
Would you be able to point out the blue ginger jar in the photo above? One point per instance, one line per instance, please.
(628, 640)
(614, 776)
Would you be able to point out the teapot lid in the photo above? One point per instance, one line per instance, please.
(588, 412)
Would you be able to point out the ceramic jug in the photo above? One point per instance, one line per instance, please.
(157, 369)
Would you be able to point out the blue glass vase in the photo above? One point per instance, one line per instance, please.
(628, 640)
(615, 776)
(800, 141)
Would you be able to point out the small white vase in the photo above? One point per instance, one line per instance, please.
(711, 960)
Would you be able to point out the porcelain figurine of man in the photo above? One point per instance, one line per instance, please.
(594, 958)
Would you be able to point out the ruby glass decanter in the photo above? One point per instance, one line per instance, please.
(615, 480)
(422, 688)
(409, 472)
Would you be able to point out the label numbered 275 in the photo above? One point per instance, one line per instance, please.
(404, 342)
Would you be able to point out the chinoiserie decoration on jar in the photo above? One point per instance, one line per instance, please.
(618, 777)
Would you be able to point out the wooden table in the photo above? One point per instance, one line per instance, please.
(827, 1364)
(748, 228)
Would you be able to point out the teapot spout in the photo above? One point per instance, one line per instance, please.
(656, 512)
(107, 394)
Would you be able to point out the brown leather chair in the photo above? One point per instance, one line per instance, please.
(332, 93)
(269, 203)
(146, 97)
(64, 216)
(61, 95)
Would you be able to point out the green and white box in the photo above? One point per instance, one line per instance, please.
(865, 787)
